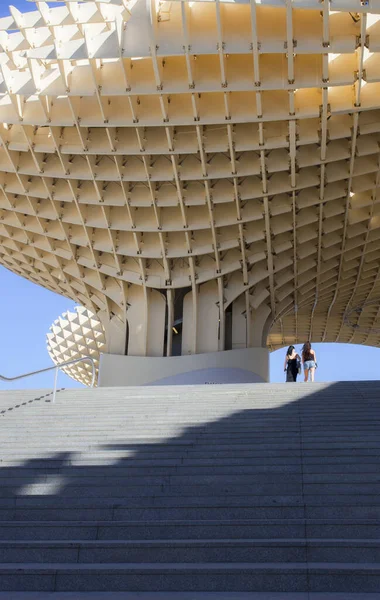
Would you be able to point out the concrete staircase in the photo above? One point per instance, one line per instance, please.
(267, 491)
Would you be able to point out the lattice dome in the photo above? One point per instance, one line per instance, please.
(75, 334)
(151, 146)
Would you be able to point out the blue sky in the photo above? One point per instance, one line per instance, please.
(22, 5)
(27, 311)
(336, 362)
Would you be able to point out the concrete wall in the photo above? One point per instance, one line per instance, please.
(248, 365)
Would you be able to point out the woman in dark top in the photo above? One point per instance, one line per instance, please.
(309, 361)
(292, 361)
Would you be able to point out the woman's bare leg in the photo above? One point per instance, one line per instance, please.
(306, 375)
(312, 371)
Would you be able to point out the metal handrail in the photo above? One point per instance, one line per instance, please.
(56, 367)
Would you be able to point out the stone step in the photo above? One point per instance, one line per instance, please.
(188, 476)
(155, 435)
(203, 442)
(152, 514)
(186, 466)
(240, 477)
(266, 407)
(190, 551)
(187, 596)
(118, 454)
(117, 512)
(118, 470)
(14, 460)
(176, 596)
(201, 529)
(294, 577)
(183, 466)
(321, 422)
(70, 490)
(256, 416)
(123, 453)
(287, 424)
(248, 501)
(266, 414)
(123, 490)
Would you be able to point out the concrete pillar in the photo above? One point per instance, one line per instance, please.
(115, 334)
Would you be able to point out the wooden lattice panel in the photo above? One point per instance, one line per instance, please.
(168, 144)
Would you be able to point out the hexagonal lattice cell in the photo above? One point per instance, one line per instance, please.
(73, 335)
(151, 147)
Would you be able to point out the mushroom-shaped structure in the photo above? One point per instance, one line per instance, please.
(73, 335)
(207, 168)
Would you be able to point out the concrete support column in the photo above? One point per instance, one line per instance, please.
(115, 334)
(169, 331)
(146, 320)
(249, 325)
(201, 313)
(239, 323)
(259, 319)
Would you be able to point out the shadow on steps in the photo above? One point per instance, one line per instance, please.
(272, 489)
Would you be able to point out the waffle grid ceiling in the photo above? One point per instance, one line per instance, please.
(168, 144)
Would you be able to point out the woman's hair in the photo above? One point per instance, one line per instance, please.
(306, 348)
(290, 350)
